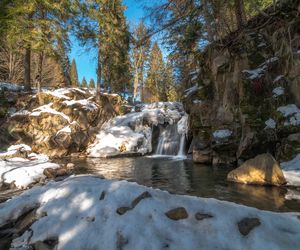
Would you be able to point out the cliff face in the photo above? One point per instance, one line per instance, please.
(248, 96)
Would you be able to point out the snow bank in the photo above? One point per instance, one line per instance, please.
(132, 133)
(81, 213)
(23, 171)
(291, 171)
(291, 113)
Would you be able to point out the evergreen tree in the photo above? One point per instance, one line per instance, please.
(155, 89)
(92, 84)
(74, 74)
(140, 54)
(84, 83)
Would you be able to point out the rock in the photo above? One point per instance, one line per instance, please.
(200, 216)
(261, 170)
(202, 156)
(70, 166)
(102, 196)
(246, 225)
(49, 173)
(122, 210)
(178, 213)
(61, 172)
(139, 198)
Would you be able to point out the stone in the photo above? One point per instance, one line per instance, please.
(123, 210)
(102, 196)
(70, 166)
(49, 173)
(178, 213)
(200, 216)
(246, 225)
(139, 198)
(202, 156)
(261, 170)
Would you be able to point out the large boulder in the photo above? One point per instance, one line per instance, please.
(261, 170)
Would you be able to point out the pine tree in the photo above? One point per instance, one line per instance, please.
(155, 89)
(74, 74)
(84, 83)
(92, 84)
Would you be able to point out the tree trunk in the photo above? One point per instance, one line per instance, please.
(99, 68)
(135, 84)
(240, 13)
(38, 77)
(27, 68)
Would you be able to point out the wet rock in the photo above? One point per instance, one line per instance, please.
(200, 216)
(139, 198)
(178, 213)
(122, 210)
(261, 170)
(49, 173)
(246, 225)
(202, 156)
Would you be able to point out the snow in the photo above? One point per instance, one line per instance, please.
(10, 86)
(291, 171)
(222, 133)
(189, 92)
(21, 112)
(80, 220)
(278, 91)
(197, 101)
(66, 129)
(292, 113)
(278, 78)
(132, 133)
(87, 104)
(270, 123)
(47, 109)
(298, 52)
(260, 70)
(22, 171)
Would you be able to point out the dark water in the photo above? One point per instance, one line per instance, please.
(183, 177)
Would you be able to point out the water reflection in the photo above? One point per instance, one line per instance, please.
(183, 177)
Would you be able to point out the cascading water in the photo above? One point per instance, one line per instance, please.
(172, 138)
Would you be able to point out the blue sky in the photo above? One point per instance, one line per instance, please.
(86, 60)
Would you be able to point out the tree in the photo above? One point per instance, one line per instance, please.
(140, 54)
(155, 89)
(92, 84)
(74, 74)
(84, 83)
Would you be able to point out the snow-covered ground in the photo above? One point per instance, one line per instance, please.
(132, 133)
(23, 171)
(291, 171)
(87, 212)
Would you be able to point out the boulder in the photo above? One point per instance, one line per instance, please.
(261, 170)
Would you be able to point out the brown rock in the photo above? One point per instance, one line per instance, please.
(178, 213)
(202, 156)
(261, 170)
(200, 216)
(247, 224)
(139, 198)
(49, 173)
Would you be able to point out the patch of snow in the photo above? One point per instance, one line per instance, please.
(292, 113)
(197, 101)
(79, 220)
(87, 104)
(298, 52)
(292, 194)
(278, 78)
(278, 91)
(21, 112)
(222, 133)
(10, 86)
(291, 171)
(23, 171)
(260, 70)
(47, 109)
(66, 129)
(189, 92)
(270, 123)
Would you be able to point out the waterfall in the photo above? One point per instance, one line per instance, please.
(172, 138)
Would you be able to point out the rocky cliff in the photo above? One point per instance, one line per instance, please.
(247, 98)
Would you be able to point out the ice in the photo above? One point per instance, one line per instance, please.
(78, 219)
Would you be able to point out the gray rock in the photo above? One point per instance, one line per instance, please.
(246, 225)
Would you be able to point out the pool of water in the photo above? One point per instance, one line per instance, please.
(182, 176)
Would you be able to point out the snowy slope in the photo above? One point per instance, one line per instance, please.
(81, 213)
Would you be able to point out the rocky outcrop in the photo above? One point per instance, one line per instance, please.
(262, 170)
(60, 122)
(249, 85)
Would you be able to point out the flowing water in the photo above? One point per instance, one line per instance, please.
(182, 176)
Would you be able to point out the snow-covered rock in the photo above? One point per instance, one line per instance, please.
(291, 171)
(84, 211)
(132, 133)
(292, 114)
(23, 171)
